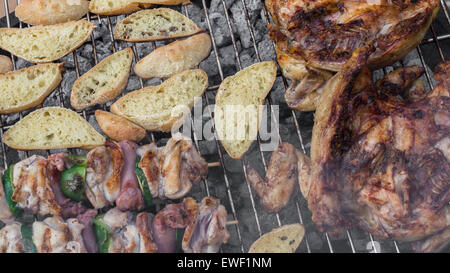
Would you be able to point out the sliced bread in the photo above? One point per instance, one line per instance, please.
(113, 7)
(52, 128)
(159, 108)
(175, 57)
(103, 82)
(155, 24)
(119, 128)
(5, 64)
(40, 44)
(28, 87)
(50, 12)
(238, 107)
(285, 239)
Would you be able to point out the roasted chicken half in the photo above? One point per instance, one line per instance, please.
(315, 38)
(380, 155)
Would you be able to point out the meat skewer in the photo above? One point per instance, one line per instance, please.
(113, 173)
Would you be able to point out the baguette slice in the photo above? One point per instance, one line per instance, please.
(113, 7)
(155, 24)
(285, 239)
(50, 12)
(5, 64)
(52, 128)
(119, 128)
(159, 108)
(239, 108)
(174, 58)
(41, 44)
(103, 82)
(28, 87)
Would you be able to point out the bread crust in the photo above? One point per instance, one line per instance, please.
(49, 12)
(119, 128)
(106, 96)
(175, 57)
(90, 25)
(41, 98)
(155, 37)
(126, 9)
(5, 64)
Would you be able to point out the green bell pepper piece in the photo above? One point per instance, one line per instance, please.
(103, 234)
(8, 187)
(143, 183)
(27, 239)
(72, 183)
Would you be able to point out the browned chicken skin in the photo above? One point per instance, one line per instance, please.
(381, 161)
(281, 180)
(314, 38)
(173, 169)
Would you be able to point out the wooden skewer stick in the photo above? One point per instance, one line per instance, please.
(229, 223)
(213, 164)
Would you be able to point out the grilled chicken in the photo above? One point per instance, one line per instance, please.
(172, 170)
(130, 195)
(53, 235)
(5, 213)
(167, 220)
(380, 156)
(314, 38)
(281, 180)
(207, 230)
(205, 225)
(129, 236)
(104, 166)
(11, 238)
(32, 188)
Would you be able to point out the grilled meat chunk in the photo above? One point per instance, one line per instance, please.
(53, 235)
(130, 196)
(281, 180)
(316, 36)
(380, 161)
(11, 238)
(172, 170)
(103, 170)
(32, 187)
(5, 213)
(207, 231)
(129, 236)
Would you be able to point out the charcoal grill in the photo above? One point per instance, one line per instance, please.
(237, 42)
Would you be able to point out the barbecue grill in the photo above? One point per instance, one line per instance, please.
(239, 38)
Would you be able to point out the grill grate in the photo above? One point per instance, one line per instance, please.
(226, 182)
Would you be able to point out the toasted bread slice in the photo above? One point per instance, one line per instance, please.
(50, 12)
(285, 239)
(239, 108)
(113, 7)
(28, 87)
(175, 57)
(155, 24)
(52, 128)
(119, 128)
(41, 44)
(103, 82)
(5, 64)
(159, 108)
